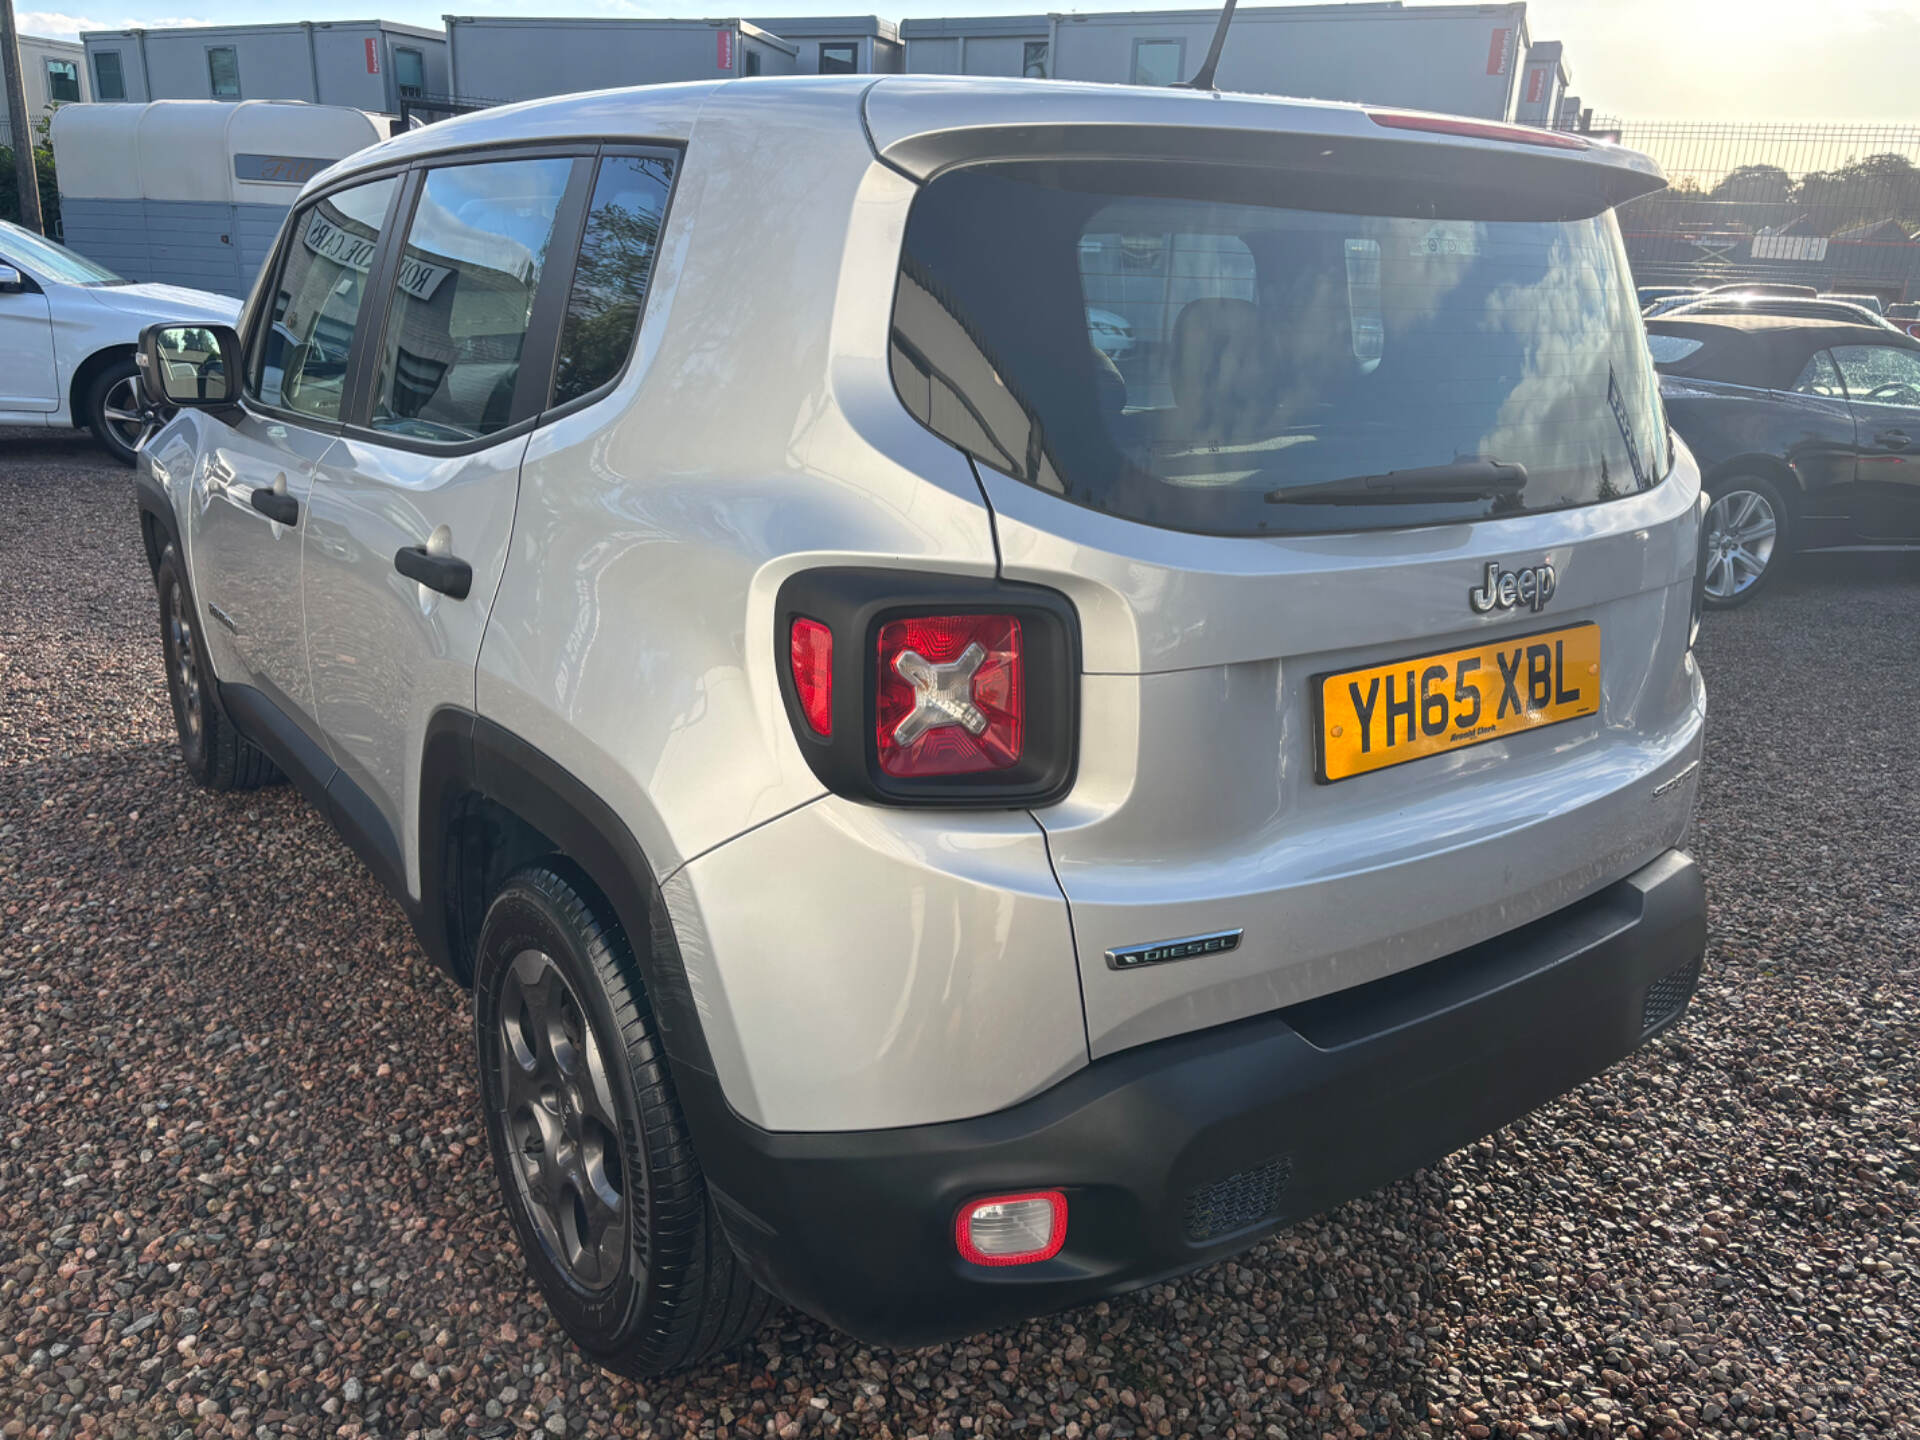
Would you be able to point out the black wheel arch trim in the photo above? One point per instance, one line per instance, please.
(159, 526)
(465, 753)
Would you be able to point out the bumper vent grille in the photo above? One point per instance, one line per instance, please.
(1667, 995)
(1240, 1201)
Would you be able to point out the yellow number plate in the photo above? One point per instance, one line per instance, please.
(1390, 714)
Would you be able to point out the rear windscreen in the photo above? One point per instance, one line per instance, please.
(1181, 347)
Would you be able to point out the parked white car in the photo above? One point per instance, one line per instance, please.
(67, 334)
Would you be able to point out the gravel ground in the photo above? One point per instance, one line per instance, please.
(243, 1189)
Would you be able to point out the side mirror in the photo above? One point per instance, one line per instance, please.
(10, 280)
(197, 366)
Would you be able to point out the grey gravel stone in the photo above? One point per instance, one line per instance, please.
(212, 1019)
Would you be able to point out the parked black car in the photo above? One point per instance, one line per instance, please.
(1807, 434)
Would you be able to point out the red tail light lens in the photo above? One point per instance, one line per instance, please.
(950, 695)
(810, 653)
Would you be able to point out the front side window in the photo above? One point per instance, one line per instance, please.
(616, 265)
(1033, 60)
(301, 359)
(1158, 62)
(839, 59)
(1880, 374)
(108, 81)
(63, 80)
(1819, 377)
(223, 73)
(463, 298)
(1193, 347)
(410, 73)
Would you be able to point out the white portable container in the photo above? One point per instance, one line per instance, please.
(192, 192)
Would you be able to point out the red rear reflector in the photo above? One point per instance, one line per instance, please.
(1019, 1229)
(1477, 129)
(810, 653)
(951, 695)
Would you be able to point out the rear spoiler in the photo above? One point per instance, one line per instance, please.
(922, 126)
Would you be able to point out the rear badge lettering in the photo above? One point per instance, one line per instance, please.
(1131, 957)
(1531, 587)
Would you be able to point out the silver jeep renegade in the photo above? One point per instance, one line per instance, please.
(946, 814)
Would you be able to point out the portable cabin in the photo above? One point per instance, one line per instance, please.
(504, 57)
(192, 192)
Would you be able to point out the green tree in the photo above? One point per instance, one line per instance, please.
(43, 169)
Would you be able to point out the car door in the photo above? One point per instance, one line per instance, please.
(256, 472)
(1883, 391)
(413, 506)
(27, 378)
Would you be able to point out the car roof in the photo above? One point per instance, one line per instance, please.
(920, 123)
(1763, 351)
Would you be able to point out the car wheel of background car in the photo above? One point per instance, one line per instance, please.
(591, 1151)
(1746, 539)
(216, 754)
(114, 413)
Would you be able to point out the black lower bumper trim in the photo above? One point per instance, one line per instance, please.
(1181, 1152)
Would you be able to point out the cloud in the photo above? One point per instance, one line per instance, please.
(56, 25)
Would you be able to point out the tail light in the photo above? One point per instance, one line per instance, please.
(1012, 1229)
(908, 688)
(950, 699)
(810, 654)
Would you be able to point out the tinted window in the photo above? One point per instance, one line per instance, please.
(223, 73)
(1820, 378)
(107, 81)
(317, 298)
(1187, 347)
(839, 59)
(1881, 374)
(475, 251)
(1157, 62)
(616, 263)
(409, 73)
(63, 80)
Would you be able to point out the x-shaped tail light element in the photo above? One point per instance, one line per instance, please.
(942, 694)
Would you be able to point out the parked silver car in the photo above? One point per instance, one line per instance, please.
(940, 828)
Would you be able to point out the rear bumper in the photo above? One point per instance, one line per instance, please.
(1177, 1153)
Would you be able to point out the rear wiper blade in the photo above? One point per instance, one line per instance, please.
(1469, 478)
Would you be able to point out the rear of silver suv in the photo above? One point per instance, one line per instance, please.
(998, 815)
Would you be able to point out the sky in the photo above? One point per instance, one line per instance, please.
(1732, 60)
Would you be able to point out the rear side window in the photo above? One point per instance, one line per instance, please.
(617, 251)
(1236, 351)
(463, 298)
(317, 299)
(1820, 378)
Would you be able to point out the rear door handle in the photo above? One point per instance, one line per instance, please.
(1892, 440)
(275, 505)
(450, 576)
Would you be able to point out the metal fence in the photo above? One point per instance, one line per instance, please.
(1834, 206)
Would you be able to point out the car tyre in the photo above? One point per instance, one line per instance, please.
(1745, 541)
(216, 754)
(113, 410)
(589, 1145)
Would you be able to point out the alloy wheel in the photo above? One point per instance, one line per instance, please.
(1741, 529)
(561, 1124)
(185, 666)
(121, 410)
